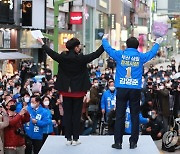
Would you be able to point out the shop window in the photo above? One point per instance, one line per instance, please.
(27, 13)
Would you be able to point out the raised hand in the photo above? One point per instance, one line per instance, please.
(40, 41)
(105, 36)
(159, 40)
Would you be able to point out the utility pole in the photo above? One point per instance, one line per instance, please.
(54, 37)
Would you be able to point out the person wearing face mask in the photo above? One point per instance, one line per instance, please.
(163, 95)
(48, 129)
(154, 127)
(48, 73)
(166, 77)
(107, 74)
(26, 100)
(94, 103)
(161, 70)
(73, 83)
(169, 70)
(158, 80)
(14, 141)
(39, 120)
(108, 100)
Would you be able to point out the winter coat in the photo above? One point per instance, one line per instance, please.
(73, 74)
(12, 137)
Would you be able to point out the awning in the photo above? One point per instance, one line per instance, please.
(13, 55)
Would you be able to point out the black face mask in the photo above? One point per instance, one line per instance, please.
(149, 83)
(12, 108)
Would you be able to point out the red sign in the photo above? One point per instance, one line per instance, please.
(76, 18)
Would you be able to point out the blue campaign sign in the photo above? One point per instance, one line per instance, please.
(38, 78)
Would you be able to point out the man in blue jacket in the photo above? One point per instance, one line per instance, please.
(128, 124)
(38, 120)
(128, 80)
(108, 100)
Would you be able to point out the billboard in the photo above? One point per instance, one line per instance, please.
(33, 14)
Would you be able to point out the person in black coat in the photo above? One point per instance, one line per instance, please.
(72, 82)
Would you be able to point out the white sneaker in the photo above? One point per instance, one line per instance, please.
(74, 143)
(68, 143)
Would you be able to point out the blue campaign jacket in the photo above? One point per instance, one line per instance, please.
(98, 74)
(49, 127)
(108, 100)
(128, 123)
(35, 131)
(129, 64)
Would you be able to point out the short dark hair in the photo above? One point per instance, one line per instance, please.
(72, 43)
(132, 42)
(37, 98)
(95, 79)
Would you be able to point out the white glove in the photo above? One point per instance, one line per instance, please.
(105, 36)
(159, 40)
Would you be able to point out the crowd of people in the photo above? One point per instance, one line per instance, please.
(31, 109)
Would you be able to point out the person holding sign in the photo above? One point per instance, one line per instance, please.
(128, 81)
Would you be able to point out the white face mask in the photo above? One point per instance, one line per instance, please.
(46, 103)
(112, 88)
(107, 72)
(143, 80)
(165, 79)
(161, 87)
(149, 75)
(1, 92)
(153, 116)
(33, 105)
(158, 81)
(96, 84)
(168, 85)
(26, 99)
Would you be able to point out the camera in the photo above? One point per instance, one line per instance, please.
(20, 132)
(20, 99)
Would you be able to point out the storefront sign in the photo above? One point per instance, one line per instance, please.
(76, 18)
(112, 21)
(101, 21)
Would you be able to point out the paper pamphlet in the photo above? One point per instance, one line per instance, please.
(37, 34)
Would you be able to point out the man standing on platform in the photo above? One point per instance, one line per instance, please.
(128, 81)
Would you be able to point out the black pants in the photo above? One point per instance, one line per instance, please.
(37, 144)
(122, 97)
(72, 115)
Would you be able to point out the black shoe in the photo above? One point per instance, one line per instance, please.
(133, 145)
(117, 146)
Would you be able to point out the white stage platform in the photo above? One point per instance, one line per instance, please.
(97, 145)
